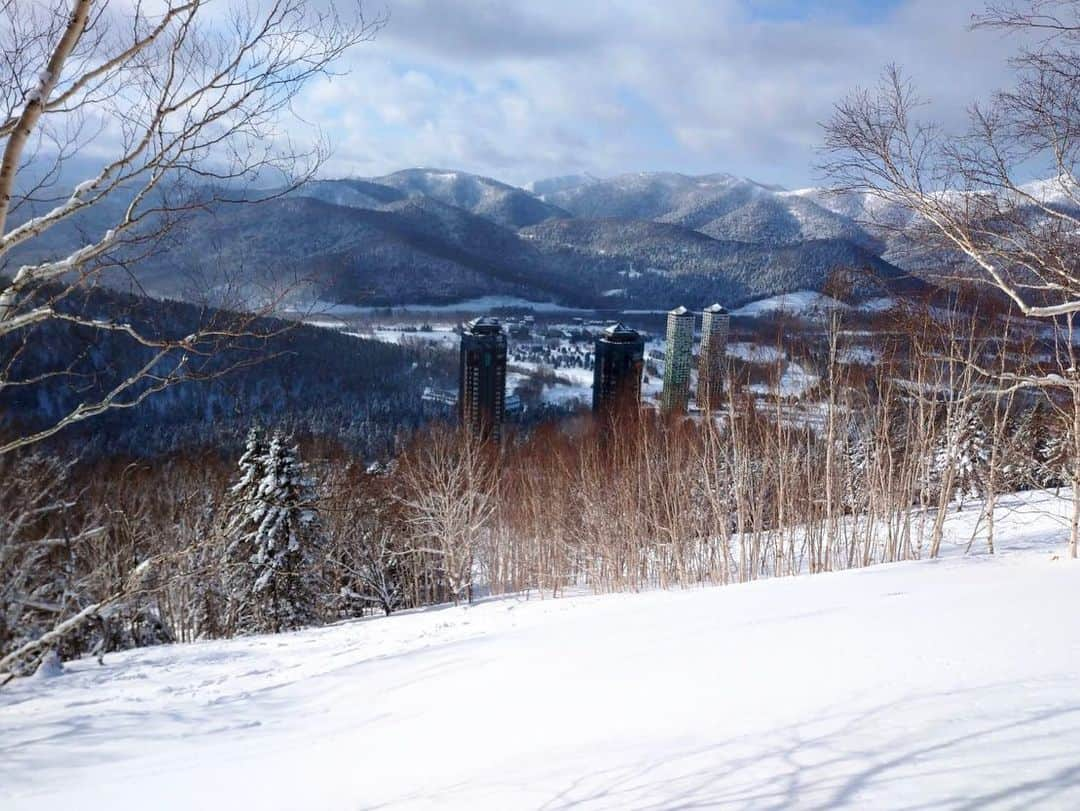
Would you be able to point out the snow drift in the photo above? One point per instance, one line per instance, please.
(936, 684)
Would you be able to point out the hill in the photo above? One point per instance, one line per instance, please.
(302, 378)
(436, 236)
(938, 684)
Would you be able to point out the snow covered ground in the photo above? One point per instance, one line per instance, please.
(940, 684)
(479, 306)
(794, 382)
(800, 302)
(755, 353)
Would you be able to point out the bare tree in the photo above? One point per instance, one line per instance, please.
(965, 191)
(178, 108)
(366, 552)
(450, 486)
(963, 196)
(39, 540)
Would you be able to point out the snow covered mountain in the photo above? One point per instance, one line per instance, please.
(502, 204)
(658, 258)
(436, 236)
(944, 684)
(722, 206)
(653, 195)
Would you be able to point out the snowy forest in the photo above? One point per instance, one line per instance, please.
(287, 532)
(289, 518)
(175, 471)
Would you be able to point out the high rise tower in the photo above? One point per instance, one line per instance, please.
(678, 354)
(715, 323)
(482, 377)
(619, 361)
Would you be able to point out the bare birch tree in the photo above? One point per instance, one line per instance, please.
(177, 105)
(450, 485)
(966, 197)
(965, 190)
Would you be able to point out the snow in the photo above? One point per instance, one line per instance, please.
(1059, 190)
(801, 302)
(326, 323)
(440, 334)
(573, 383)
(50, 667)
(755, 353)
(938, 684)
(480, 304)
(794, 382)
(566, 395)
(37, 93)
(864, 355)
(879, 305)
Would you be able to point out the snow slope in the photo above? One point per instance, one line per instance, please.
(800, 302)
(944, 684)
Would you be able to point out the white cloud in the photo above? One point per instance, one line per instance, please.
(520, 90)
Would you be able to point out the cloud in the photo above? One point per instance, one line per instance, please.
(522, 90)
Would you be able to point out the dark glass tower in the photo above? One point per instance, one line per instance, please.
(620, 358)
(482, 377)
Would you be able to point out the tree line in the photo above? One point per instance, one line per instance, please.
(200, 544)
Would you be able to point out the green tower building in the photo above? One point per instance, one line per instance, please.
(678, 358)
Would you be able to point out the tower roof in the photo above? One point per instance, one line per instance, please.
(680, 310)
(716, 309)
(484, 325)
(620, 333)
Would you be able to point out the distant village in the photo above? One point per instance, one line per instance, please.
(617, 360)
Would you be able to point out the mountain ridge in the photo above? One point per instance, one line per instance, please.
(428, 235)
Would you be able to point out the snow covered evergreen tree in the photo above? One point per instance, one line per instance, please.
(1036, 452)
(1019, 463)
(962, 456)
(1054, 454)
(272, 532)
(252, 462)
(858, 451)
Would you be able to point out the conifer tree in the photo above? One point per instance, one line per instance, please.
(1019, 466)
(272, 532)
(962, 456)
(857, 455)
(1055, 454)
(973, 456)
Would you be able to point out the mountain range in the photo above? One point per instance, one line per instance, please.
(435, 236)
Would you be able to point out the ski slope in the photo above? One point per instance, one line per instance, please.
(800, 302)
(946, 684)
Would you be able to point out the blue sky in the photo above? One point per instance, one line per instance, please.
(522, 90)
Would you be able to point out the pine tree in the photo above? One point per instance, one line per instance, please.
(962, 456)
(1019, 466)
(857, 455)
(252, 462)
(972, 457)
(1055, 454)
(272, 533)
(1034, 452)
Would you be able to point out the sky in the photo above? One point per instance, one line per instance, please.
(521, 90)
